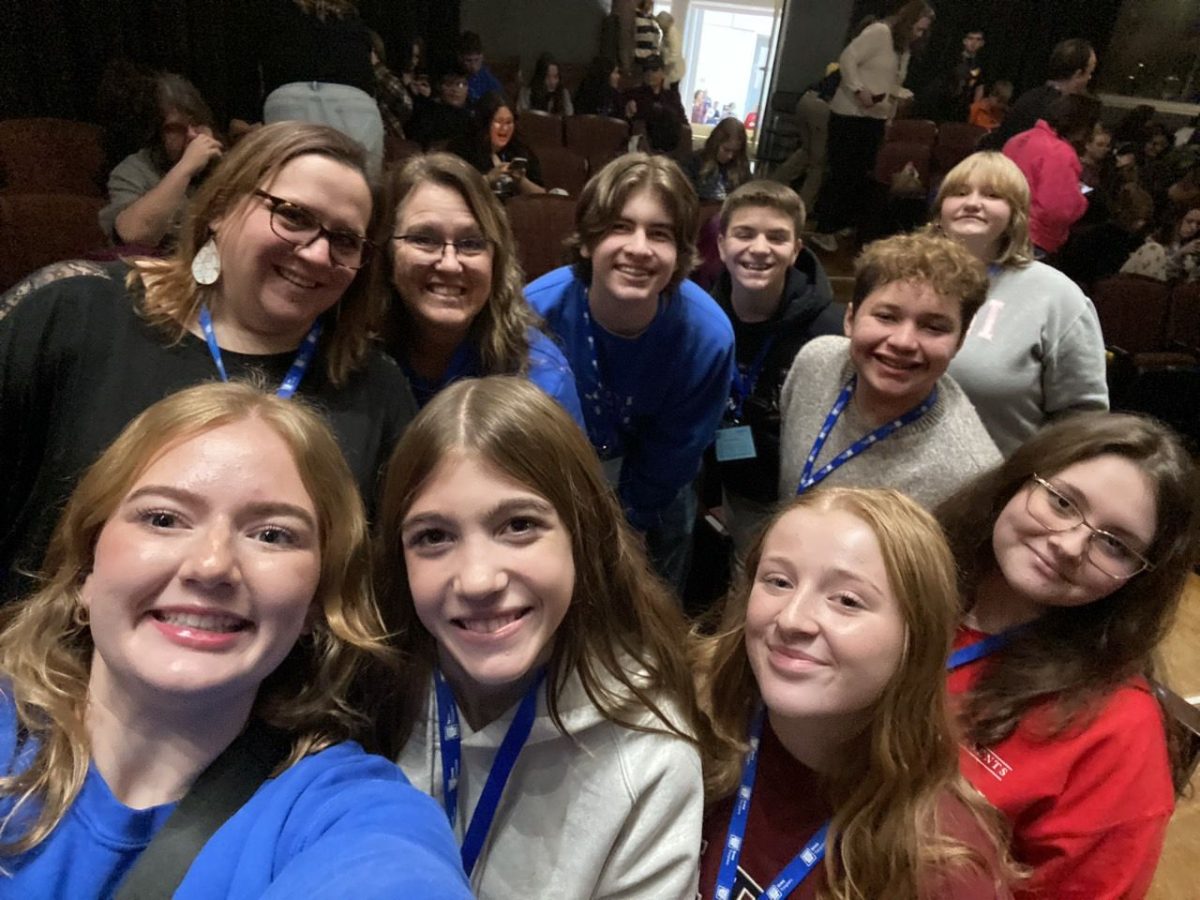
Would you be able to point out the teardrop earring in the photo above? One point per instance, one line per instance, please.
(206, 264)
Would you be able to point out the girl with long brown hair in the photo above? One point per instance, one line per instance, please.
(545, 701)
(1073, 554)
(205, 608)
(825, 684)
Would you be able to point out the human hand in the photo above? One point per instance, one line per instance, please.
(864, 98)
(630, 109)
(497, 173)
(200, 151)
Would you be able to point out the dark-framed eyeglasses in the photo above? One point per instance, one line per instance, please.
(1055, 511)
(431, 245)
(300, 227)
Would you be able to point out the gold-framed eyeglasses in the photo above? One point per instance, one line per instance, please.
(300, 227)
(433, 245)
(1055, 511)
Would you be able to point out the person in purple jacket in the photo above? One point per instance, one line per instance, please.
(651, 351)
(206, 596)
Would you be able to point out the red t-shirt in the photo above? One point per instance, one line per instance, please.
(787, 808)
(1088, 808)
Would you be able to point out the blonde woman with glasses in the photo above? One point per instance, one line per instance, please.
(1072, 556)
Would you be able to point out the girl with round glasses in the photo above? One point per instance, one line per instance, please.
(267, 281)
(451, 276)
(1072, 556)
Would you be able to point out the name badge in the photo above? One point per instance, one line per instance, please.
(735, 443)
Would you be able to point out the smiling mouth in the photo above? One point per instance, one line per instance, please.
(219, 623)
(294, 278)
(897, 365)
(491, 624)
(758, 267)
(446, 291)
(634, 273)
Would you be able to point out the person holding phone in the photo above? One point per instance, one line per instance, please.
(493, 148)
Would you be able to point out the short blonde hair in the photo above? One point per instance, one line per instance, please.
(946, 265)
(994, 172)
(604, 197)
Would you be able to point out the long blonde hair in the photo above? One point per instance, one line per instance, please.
(170, 298)
(621, 615)
(46, 646)
(501, 330)
(884, 836)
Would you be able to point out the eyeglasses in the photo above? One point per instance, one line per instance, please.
(1056, 512)
(300, 227)
(432, 245)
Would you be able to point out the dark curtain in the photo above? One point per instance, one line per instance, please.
(54, 52)
(1019, 33)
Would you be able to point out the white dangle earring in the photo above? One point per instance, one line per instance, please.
(206, 264)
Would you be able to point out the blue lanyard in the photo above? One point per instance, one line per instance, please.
(863, 444)
(291, 381)
(966, 655)
(795, 871)
(608, 415)
(743, 385)
(506, 758)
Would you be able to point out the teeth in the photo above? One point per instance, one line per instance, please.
(296, 279)
(202, 621)
(445, 290)
(489, 626)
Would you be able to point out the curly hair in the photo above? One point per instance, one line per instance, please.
(604, 197)
(501, 330)
(46, 648)
(946, 265)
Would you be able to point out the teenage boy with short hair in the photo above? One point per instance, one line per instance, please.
(652, 353)
(778, 297)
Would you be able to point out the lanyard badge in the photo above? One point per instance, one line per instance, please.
(291, 381)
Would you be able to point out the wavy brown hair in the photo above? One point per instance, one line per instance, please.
(904, 20)
(501, 330)
(1076, 656)
(622, 618)
(604, 197)
(46, 646)
(885, 836)
(740, 164)
(169, 296)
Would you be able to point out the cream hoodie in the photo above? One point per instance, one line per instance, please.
(608, 812)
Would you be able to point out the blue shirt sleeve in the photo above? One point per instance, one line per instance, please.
(549, 370)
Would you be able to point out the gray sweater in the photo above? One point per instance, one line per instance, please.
(928, 459)
(1034, 351)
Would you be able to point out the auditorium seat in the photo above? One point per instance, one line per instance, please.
(563, 168)
(895, 155)
(38, 229)
(914, 131)
(599, 138)
(1133, 312)
(540, 129)
(51, 156)
(540, 223)
(396, 150)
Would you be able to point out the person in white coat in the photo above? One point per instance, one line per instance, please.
(671, 49)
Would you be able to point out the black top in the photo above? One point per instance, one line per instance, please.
(295, 46)
(434, 121)
(806, 311)
(77, 363)
(1030, 107)
(479, 155)
(599, 99)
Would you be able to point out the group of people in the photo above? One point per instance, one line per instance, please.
(338, 554)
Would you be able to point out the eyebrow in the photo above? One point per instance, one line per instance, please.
(191, 498)
(1077, 497)
(501, 509)
(839, 571)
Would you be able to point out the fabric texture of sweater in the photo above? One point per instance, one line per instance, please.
(337, 823)
(77, 363)
(603, 811)
(654, 400)
(1034, 351)
(786, 809)
(928, 459)
(1088, 808)
(1053, 170)
(870, 63)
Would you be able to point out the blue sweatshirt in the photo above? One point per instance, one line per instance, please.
(337, 823)
(656, 399)
(548, 369)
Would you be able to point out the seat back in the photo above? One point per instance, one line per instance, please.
(571, 75)
(563, 168)
(1132, 311)
(959, 134)
(540, 223)
(397, 150)
(895, 155)
(1183, 321)
(540, 129)
(914, 131)
(51, 156)
(599, 138)
(1185, 720)
(39, 229)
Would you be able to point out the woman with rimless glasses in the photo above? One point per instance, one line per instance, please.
(265, 283)
(450, 269)
(1072, 557)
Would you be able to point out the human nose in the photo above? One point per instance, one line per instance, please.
(1071, 544)
(316, 250)
(448, 260)
(212, 559)
(798, 616)
(638, 243)
(903, 336)
(479, 575)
